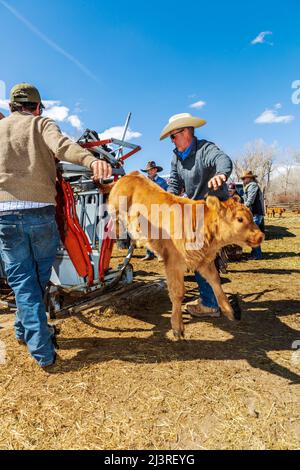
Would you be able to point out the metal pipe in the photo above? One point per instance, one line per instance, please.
(120, 150)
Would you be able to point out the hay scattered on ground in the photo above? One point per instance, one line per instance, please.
(122, 382)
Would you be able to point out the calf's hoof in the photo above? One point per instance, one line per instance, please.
(178, 334)
(229, 315)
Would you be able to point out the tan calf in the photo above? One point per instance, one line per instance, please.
(197, 230)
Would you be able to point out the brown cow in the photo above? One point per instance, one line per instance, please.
(270, 212)
(225, 223)
(279, 211)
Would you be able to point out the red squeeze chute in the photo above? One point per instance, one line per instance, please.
(106, 251)
(72, 235)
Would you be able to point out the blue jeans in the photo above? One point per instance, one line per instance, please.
(28, 243)
(206, 293)
(256, 253)
(149, 252)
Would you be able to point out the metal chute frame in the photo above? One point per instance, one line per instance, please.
(87, 202)
(88, 205)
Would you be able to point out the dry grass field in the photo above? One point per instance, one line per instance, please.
(121, 382)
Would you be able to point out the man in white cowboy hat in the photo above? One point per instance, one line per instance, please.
(254, 200)
(201, 168)
(152, 169)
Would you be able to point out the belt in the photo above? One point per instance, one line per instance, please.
(35, 210)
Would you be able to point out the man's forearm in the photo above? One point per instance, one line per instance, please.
(174, 187)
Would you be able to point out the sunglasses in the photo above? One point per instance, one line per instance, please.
(175, 133)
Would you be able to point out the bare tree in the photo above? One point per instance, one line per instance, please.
(287, 175)
(259, 158)
(296, 156)
(285, 185)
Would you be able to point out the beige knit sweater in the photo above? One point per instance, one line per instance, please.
(28, 145)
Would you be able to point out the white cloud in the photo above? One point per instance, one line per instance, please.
(117, 133)
(281, 170)
(75, 122)
(57, 113)
(261, 38)
(271, 116)
(54, 110)
(198, 104)
(50, 103)
(4, 105)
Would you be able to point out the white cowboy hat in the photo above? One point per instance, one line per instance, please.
(179, 121)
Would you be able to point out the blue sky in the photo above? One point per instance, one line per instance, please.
(99, 60)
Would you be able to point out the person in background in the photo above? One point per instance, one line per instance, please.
(1, 116)
(253, 199)
(152, 169)
(29, 145)
(233, 192)
(201, 168)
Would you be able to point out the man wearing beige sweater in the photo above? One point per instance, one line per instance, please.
(29, 144)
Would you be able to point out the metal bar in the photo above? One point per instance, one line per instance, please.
(125, 144)
(120, 151)
(130, 153)
(126, 125)
(96, 220)
(88, 193)
(106, 154)
(95, 143)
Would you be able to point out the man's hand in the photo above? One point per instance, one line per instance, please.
(101, 170)
(216, 182)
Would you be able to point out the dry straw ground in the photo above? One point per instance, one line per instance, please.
(122, 383)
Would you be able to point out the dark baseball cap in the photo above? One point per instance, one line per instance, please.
(25, 93)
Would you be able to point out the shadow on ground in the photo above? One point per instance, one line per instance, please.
(259, 333)
(276, 232)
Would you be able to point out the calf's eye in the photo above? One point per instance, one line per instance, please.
(240, 219)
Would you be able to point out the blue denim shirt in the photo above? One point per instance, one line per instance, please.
(193, 173)
(161, 182)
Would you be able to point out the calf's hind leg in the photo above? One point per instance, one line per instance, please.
(175, 279)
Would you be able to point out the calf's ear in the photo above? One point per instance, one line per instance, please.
(213, 203)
